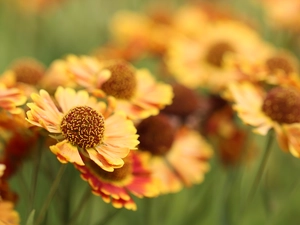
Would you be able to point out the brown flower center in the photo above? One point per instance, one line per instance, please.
(83, 126)
(184, 103)
(118, 174)
(278, 63)
(156, 134)
(122, 83)
(216, 53)
(28, 71)
(282, 105)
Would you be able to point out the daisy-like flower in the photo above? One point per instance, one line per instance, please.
(134, 178)
(200, 61)
(178, 156)
(83, 125)
(136, 91)
(10, 98)
(24, 74)
(278, 109)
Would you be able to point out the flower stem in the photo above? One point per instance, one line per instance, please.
(51, 194)
(261, 167)
(84, 199)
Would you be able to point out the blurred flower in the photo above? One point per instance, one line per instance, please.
(178, 156)
(81, 124)
(282, 14)
(116, 187)
(24, 74)
(136, 91)
(17, 141)
(228, 137)
(133, 27)
(10, 98)
(201, 61)
(278, 109)
(8, 216)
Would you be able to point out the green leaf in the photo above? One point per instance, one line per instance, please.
(30, 220)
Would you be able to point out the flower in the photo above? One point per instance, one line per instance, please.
(277, 109)
(201, 61)
(83, 125)
(117, 186)
(8, 216)
(10, 98)
(17, 141)
(178, 157)
(24, 74)
(136, 91)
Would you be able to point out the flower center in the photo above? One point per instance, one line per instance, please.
(184, 103)
(279, 63)
(118, 174)
(156, 134)
(122, 83)
(28, 71)
(216, 53)
(282, 105)
(83, 126)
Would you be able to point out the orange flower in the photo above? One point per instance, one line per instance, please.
(178, 156)
(10, 98)
(24, 74)
(136, 91)
(81, 124)
(116, 187)
(276, 109)
(8, 216)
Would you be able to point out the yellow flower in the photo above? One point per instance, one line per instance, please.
(8, 216)
(10, 98)
(83, 126)
(116, 187)
(201, 61)
(277, 109)
(136, 91)
(178, 156)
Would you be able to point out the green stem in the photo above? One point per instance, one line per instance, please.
(110, 216)
(51, 194)
(261, 168)
(84, 199)
(37, 163)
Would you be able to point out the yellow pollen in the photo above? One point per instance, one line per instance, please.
(122, 83)
(83, 126)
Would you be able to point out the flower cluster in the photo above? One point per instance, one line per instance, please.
(130, 130)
